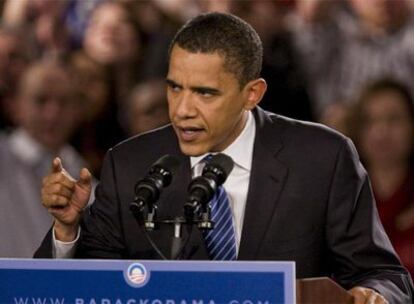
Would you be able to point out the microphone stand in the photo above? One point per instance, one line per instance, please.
(148, 221)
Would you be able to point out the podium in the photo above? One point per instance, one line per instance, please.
(160, 282)
(321, 291)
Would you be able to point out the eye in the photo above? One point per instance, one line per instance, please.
(173, 87)
(205, 94)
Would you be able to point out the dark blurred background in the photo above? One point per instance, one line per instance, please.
(79, 76)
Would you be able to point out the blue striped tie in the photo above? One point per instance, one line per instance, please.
(221, 240)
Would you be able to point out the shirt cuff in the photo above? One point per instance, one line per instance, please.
(64, 250)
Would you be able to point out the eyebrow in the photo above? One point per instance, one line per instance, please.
(198, 89)
(172, 83)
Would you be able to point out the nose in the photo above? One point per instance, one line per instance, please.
(52, 110)
(185, 105)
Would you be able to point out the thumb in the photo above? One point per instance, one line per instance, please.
(85, 178)
(56, 165)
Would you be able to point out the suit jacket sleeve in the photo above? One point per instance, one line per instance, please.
(45, 250)
(361, 252)
(101, 226)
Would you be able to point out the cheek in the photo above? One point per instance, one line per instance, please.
(220, 123)
(29, 116)
(402, 137)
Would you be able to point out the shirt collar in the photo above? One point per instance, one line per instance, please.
(241, 149)
(26, 148)
(30, 151)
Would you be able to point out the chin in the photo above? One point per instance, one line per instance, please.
(192, 150)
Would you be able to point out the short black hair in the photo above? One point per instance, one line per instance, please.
(229, 36)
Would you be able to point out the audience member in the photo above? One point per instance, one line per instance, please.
(383, 124)
(287, 92)
(43, 21)
(48, 112)
(344, 47)
(147, 107)
(110, 55)
(112, 39)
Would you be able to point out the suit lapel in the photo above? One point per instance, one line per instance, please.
(266, 182)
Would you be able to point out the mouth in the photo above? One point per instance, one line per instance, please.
(188, 134)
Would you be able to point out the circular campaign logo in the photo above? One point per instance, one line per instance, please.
(136, 275)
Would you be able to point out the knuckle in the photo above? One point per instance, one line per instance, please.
(60, 177)
(46, 201)
(58, 188)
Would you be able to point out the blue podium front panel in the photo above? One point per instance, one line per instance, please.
(27, 281)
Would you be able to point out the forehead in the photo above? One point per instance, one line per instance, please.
(108, 12)
(197, 68)
(386, 102)
(38, 81)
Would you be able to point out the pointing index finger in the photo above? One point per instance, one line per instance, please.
(56, 165)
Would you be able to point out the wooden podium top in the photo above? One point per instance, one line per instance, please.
(321, 291)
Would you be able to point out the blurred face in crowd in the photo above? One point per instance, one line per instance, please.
(207, 106)
(387, 134)
(148, 108)
(266, 17)
(111, 37)
(385, 14)
(48, 109)
(314, 11)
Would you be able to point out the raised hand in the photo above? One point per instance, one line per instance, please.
(65, 198)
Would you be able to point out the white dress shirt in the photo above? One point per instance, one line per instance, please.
(236, 185)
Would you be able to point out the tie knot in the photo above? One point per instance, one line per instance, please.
(207, 158)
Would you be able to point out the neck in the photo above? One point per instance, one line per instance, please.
(387, 178)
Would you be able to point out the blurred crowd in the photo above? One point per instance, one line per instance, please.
(79, 76)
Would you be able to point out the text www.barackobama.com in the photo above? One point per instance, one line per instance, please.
(34, 300)
(39, 301)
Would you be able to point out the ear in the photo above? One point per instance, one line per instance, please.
(254, 91)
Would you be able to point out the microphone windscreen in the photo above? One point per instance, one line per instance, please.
(222, 161)
(167, 162)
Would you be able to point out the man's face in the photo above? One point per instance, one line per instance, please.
(47, 108)
(207, 107)
(148, 108)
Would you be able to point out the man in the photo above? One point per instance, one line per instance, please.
(297, 192)
(147, 107)
(46, 117)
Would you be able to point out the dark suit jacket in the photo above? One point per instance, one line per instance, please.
(309, 201)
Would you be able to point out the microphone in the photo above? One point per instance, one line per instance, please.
(148, 189)
(202, 188)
